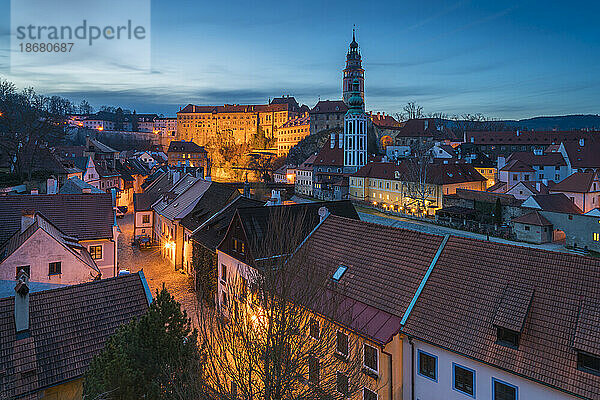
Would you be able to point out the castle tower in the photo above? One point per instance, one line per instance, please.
(353, 71)
(355, 130)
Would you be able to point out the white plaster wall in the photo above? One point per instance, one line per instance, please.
(108, 260)
(40, 250)
(426, 389)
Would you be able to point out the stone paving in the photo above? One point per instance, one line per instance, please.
(157, 270)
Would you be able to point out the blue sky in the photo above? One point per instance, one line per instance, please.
(503, 59)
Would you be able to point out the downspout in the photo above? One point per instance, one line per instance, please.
(412, 368)
(391, 374)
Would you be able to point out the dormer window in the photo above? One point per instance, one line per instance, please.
(339, 272)
(507, 337)
(588, 363)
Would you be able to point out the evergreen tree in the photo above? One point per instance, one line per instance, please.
(153, 357)
(498, 213)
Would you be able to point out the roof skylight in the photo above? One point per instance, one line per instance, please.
(339, 272)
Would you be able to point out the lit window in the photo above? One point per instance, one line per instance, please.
(596, 236)
(96, 252)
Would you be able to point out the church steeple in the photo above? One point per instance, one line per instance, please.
(353, 71)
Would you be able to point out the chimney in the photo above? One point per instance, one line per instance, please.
(27, 219)
(51, 186)
(538, 186)
(22, 303)
(323, 213)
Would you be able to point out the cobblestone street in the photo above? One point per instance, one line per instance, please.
(156, 269)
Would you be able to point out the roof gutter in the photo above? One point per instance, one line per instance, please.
(424, 281)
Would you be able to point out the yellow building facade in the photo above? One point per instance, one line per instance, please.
(242, 122)
(292, 132)
(383, 184)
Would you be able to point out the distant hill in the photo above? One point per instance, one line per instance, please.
(561, 123)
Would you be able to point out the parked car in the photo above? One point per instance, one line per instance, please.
(144, 242)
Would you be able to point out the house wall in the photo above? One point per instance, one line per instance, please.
(580, 230)
(532, 233)
(395, 192)
(585, 201)
(38, 251)
(142, 228)
(166, 232)
(388, 384)
(108, 262)
(72, 390)
(427, 389)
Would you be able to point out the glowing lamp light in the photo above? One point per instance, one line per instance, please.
(100, 128)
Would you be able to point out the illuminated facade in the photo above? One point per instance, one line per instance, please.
(291, 133)
(241, 122)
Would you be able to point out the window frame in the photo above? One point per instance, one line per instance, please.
(96, 246)
(454, 366)
(59, 268)
(496, 380)
(501, 339)
(365, 389)
(310, 327)
(337, 349)
(583, 368)
(337, 383)
(313, 358)
(223, 270)
(146, 217)
(419, 352)
(376, 371)
(26, 268)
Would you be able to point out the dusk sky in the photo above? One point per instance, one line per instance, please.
(502, 59)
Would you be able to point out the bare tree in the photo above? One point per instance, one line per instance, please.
(28, 121)
(416, 176)
(411, 110)
(275, 340)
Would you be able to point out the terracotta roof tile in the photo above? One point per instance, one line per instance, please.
(579, 182)
(68, 326)
(84, 216)
(533, 218)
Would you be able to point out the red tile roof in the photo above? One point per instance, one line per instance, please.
(532, 218)
(555, 202)
(329, 106)
(457, 309)
(385, 264)
(298, 121)
(84, 216)
(330, 156)
(440, 174)
(531, 159)
(579, 182)
(68, 327)
(233, 108)
(586, 156)
(527, 137)
(185, 147)
(517, 166)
